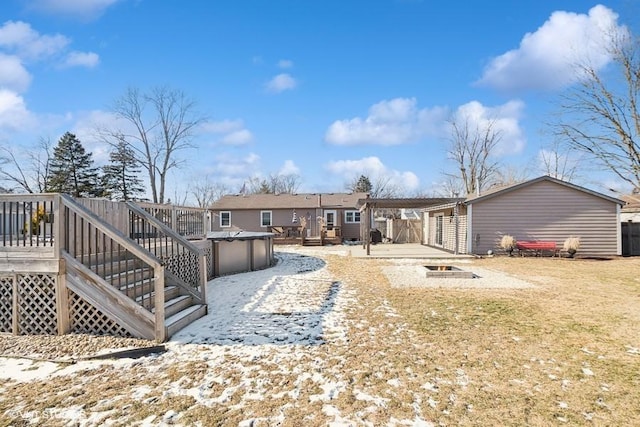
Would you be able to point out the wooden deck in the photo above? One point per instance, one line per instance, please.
(296, 235)
(95, 266)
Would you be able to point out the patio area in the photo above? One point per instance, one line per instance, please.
(401, 250)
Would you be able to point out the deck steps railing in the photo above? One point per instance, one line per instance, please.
(148, 284)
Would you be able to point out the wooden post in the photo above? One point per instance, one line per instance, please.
(174, 217)
(203, 277)
(368, 230)
(158, 285)
(62, 300)
(216, 258)
(59, 234)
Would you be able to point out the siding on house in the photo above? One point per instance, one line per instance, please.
(448, 228)
(549, 211)
(246, 211)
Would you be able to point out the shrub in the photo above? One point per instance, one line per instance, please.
(508, 243)
(571, 244)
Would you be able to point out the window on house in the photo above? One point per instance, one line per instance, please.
(351, 216)
(225, 219)
(265, 218)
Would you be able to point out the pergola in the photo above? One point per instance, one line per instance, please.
(366, 207)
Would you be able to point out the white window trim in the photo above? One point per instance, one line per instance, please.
(346, 220)
(270, 219)
(221, 215)
(439, 231)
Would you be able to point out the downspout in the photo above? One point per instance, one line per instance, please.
(469, 229)
(456, 225)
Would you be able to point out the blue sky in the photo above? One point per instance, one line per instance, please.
(325, 89)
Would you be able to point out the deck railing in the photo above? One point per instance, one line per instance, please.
(184, 261)
(26, 220)
(116, 256)
(192, 223)
(101, 247)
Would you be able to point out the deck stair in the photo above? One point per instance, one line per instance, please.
(312, 241)
(150, 280)
(125, 274)
(99, 266)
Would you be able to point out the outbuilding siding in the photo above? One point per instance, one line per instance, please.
(547, 211)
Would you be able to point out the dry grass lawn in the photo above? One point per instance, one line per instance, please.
(564, 352)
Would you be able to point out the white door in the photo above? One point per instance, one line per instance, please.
(330, 219)
(439, 226)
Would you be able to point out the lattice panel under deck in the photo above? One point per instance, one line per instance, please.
(208, 253)
(87, 319)
(184, 265)
(6, 304)
(37, 305)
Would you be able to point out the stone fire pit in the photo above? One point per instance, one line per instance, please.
(448, 271)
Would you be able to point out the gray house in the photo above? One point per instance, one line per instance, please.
(541, 209)
(334, 216)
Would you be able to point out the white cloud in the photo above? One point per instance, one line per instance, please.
(233, 131)
(289, 168)
(373, 168)
(83, 9)
(223, 126)
(372, 165)
(13, 111)
(19, 38)
(546, 58)
(504, 119)
(285, 63)
(280, 83)
(23, 45)
(390, 122)
(13, 75)
(238, 137)
(81, 59)
(229, 166)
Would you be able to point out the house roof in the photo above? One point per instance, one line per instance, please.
(288, 201)
(495, 191)
(632, 203)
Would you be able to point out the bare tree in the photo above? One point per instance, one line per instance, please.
(472, 146)
(274, 184)
(32, 173)
(559, 161)
(379, 186)
(452, 186)
(287, 183)
(510, 174)
(600, 116)
(164, 121)
(206, 191)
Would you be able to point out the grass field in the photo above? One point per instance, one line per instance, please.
(565, 352)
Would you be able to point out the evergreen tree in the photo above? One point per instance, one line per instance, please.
(121, 174)
(363, 185)
(72, 169)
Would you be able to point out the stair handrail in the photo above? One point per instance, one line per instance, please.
(175, 236)
(130, 245)
(112, 232)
